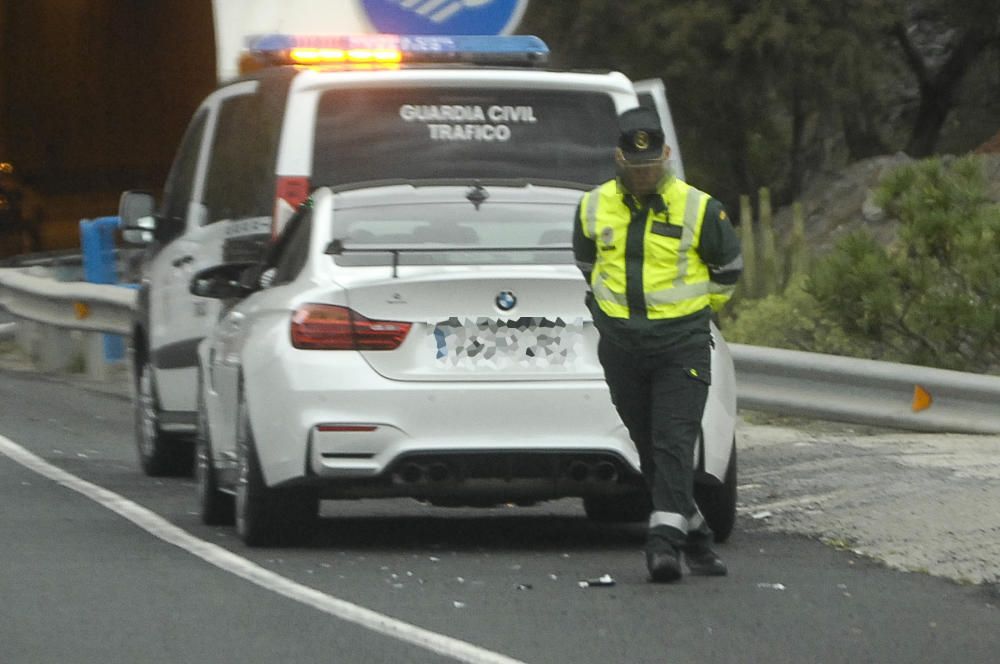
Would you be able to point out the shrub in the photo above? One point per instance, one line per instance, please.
(931, 298)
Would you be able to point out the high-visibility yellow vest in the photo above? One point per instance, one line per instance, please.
(675, 279)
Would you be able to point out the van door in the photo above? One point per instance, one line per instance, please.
(653, 94)
(178, 319)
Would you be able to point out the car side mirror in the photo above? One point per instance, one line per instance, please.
(135, 210)
(223, 282)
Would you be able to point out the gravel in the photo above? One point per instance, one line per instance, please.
(916, 501)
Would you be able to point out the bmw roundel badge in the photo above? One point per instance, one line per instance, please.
(505, 301)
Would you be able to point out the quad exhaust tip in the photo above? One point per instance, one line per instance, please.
(440, 472)
(415, 473)
(602, 471)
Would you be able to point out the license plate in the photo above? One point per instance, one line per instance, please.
(498, 344)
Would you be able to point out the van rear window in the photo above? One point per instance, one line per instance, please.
(443, 133)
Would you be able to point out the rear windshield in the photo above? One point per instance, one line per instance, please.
(462, 234)
(445, 133)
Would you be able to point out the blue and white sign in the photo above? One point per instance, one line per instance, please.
(445, 17)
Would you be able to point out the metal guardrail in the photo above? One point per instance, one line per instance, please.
(850, 389)
(768, 379)
(67, 304)
(64, 264)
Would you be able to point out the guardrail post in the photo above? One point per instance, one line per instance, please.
(95, 354)
(100, 266)
(53, 350)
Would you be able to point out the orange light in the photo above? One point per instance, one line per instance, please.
(362, 55)
(312, 56)
(309, 56)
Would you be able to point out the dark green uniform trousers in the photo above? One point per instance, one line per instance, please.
(660, 397)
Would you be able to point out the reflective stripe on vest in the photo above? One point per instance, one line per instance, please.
(687, 237)
(590, 201)
(675, 279)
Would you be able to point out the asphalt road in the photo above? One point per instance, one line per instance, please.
(81, 584)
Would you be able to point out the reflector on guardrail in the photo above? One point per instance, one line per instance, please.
(921, 399)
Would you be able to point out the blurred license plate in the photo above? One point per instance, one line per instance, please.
(520, 343)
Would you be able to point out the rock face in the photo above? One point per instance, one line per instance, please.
(992, 146)
(840, 203)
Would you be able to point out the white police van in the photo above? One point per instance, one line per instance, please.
(339, 111)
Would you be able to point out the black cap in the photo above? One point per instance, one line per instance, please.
(641, 134)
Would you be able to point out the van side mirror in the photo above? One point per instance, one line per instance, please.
(135, 209)
(223, 282)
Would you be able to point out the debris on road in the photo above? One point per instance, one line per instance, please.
(771, 586)
(605, 580)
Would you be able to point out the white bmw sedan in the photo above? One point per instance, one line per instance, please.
(429, 342)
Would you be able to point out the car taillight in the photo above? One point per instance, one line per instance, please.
(331, 327)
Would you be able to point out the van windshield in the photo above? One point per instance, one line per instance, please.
(373, 134)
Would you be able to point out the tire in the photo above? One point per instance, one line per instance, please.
(215, 507)
(160, 453)
(629, 508)
(266, 516)
(718, 503)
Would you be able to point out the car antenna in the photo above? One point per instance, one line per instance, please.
(477, 194)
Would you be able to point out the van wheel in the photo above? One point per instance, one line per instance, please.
(630, 508)
(160, 453)
(267, 516)
(718, 503)
(216, 508)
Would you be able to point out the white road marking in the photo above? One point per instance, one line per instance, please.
(241, 567)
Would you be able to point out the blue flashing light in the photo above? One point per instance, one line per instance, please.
(474, 44)
(520, 50)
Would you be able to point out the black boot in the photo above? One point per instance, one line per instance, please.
(664, 564)
(702, 561)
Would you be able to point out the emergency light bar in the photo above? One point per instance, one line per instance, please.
(280, 49)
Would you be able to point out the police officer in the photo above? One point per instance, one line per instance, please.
(659, 256)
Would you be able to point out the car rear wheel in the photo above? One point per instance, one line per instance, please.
(267, 516)
(631, 507)
(216, 508)
(718, 502)
(160, 453)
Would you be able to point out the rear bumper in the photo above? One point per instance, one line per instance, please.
(489, 477)
(328, 418)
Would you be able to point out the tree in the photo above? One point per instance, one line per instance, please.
(941, 40)
(753, 86)
(767, 92)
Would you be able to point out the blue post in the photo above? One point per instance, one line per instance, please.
(97, 241)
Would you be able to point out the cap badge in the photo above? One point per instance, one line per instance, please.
(640, 140)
